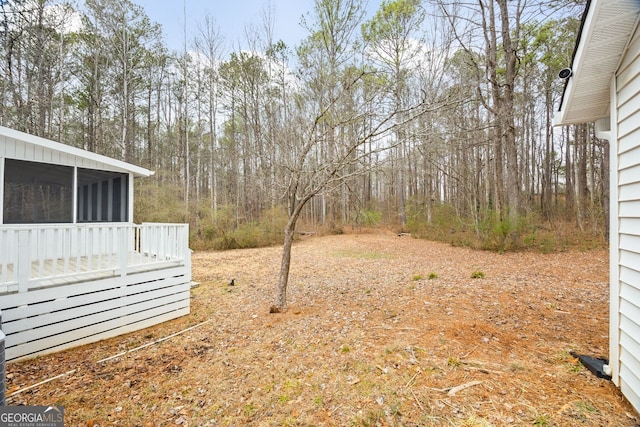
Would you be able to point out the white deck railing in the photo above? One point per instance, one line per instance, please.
(36, 256)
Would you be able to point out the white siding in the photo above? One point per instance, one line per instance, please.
(22, 150)
(86, 312)
(625, 274)
(60, 290)
(22, 146)
(103, 286)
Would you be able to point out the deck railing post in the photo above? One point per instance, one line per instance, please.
(123, 248)
(187, 252)
(3, 387)
(24, 260)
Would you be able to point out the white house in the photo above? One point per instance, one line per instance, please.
(604, 87)
(74, 268)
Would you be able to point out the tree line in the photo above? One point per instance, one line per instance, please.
(431, 116)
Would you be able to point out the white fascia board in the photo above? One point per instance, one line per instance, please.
(73, 151)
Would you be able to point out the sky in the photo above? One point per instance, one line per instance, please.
(231, 16)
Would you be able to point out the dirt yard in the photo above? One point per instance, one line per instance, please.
(381, 331)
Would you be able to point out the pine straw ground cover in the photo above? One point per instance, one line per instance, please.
(381, 331)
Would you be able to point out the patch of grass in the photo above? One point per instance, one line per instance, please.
(361, 254)
(290, 385)
(290, 422)
(345, 349)
(249, 410)
(559, 357)
(432, 370)
(565, 359)
(453, 362)
(575, 367)
(432, 276)
(283, 398)
(477, 274)
(542, 420)
(585, 406)
(416, 277)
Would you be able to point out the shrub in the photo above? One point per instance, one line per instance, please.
(222, 231)
(372, 218)
(442, 225)
(477, 275)
(505, 234)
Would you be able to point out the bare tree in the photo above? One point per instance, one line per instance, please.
(493, 27)
(209, 44)
(393, 43)
(119, 36)
(34, 45)
(308, 174)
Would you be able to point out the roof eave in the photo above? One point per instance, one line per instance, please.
(607, 27)
(137, 171)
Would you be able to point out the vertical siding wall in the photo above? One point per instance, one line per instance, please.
(625, 287)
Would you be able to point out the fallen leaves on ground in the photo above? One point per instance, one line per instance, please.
(381, 330)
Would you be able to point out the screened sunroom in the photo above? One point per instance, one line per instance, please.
(74, 268)
(39, 193)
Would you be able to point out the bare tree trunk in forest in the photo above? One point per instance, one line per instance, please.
(210, 42)
(199, 140)
(605, 186)
(496, 132)
(511, 148)
(40, 68)
(580, 161)
(91, 125)
(568, 172)
(546, 178)
(185, 88)
(149, 137)
(125, 138)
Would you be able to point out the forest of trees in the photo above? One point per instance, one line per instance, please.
(432, 117)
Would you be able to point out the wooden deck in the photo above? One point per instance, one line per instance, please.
(59, 272)
(66, 285)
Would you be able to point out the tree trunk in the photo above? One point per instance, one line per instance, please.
(546, 179)
(606, 188)
(280, 303)
(511, 148)
(569, 190)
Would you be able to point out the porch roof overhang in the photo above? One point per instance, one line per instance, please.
(109, 163)
(607, 26)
